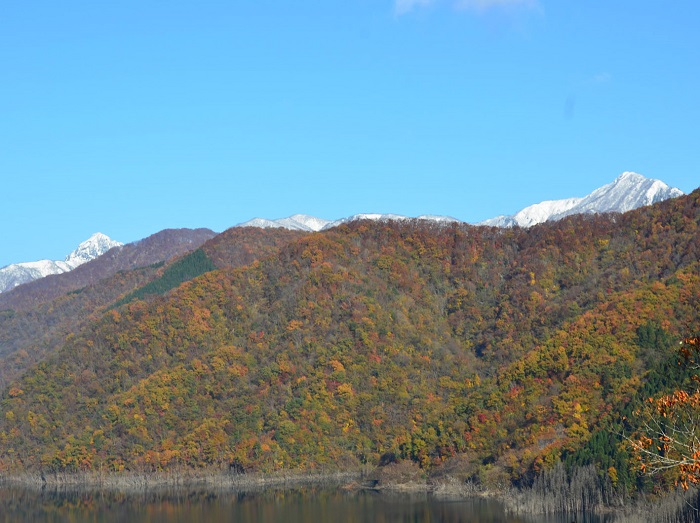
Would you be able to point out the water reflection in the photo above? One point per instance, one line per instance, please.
(269, 506)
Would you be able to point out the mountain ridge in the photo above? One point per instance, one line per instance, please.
(628, 191)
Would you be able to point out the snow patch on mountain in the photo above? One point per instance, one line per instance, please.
(24, 272)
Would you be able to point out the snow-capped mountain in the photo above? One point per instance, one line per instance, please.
(19, 273)
(629, 191)
(95, 246)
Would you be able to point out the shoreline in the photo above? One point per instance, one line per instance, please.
(187, 479)
(446, 488)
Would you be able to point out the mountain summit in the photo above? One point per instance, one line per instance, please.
(96, 245)
(629, 191)
(19, 273)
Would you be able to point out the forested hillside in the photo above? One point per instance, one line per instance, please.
(157, 248)
(36, 318)
(496, 351)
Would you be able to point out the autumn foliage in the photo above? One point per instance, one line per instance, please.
(503, 350)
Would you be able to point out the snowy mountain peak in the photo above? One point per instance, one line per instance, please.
(19, 273)
(96, 245)
(628, 191)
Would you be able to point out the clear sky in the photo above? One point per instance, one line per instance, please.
(129, 117)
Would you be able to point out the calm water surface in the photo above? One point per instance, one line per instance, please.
(276, 506)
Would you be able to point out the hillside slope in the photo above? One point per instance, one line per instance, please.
(35, 318)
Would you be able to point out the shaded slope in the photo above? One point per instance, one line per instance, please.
(184, 269)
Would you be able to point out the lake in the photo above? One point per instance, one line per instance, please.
(270, 506)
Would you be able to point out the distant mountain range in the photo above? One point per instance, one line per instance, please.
(629, 191)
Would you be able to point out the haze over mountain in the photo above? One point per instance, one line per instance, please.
(629, 191)
(19, 273)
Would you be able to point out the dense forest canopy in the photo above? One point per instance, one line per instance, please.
(496, 351)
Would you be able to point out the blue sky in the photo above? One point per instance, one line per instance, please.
(134, 116)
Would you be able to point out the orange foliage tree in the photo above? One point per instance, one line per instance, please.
(669, 441)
